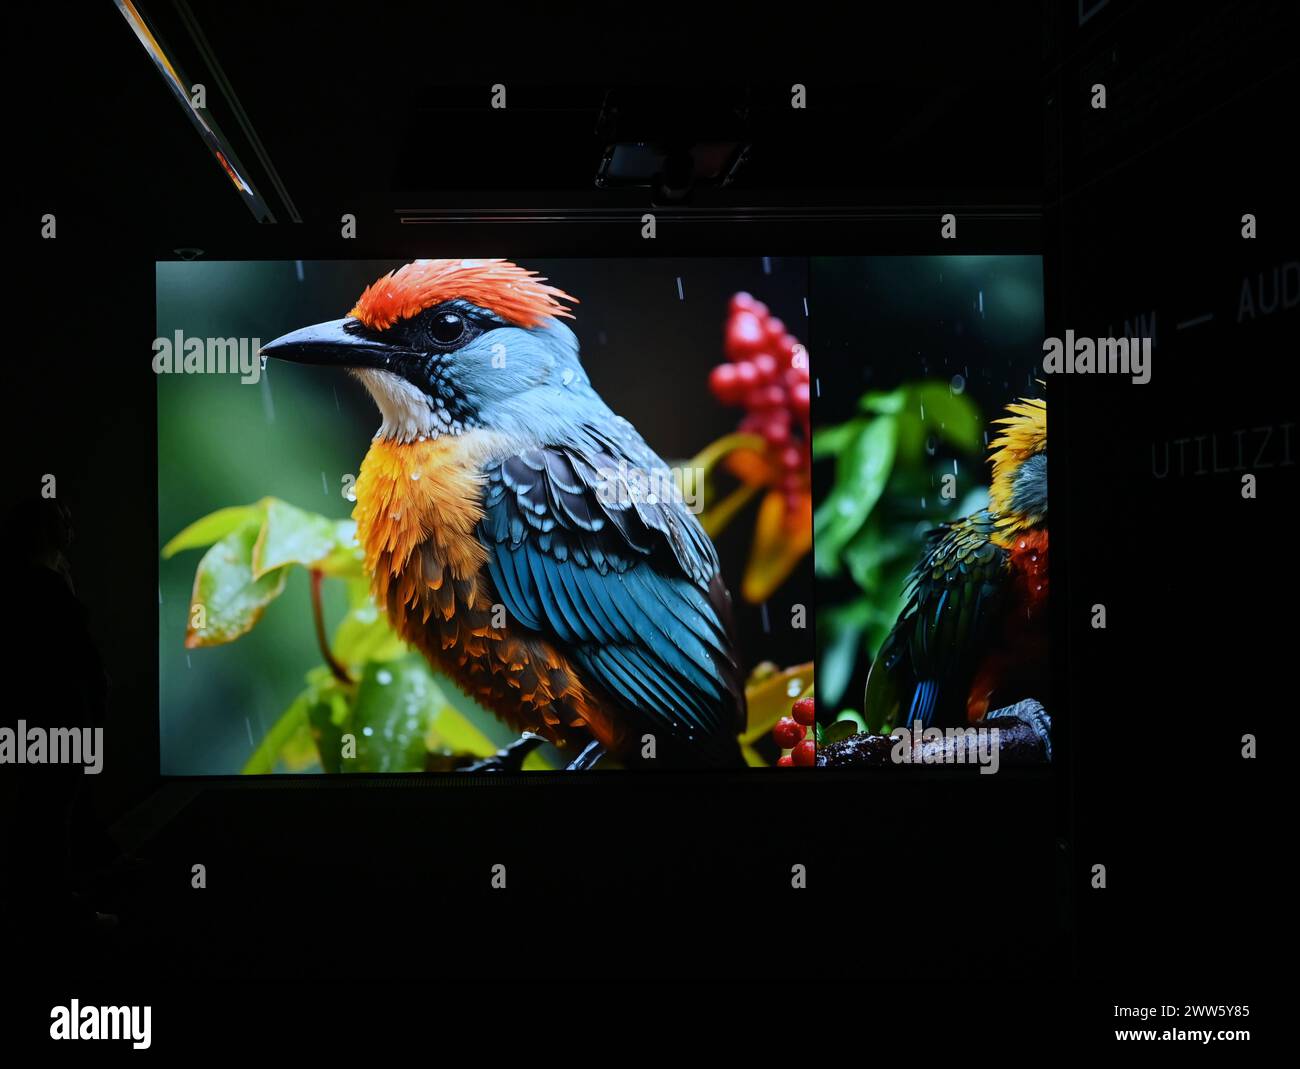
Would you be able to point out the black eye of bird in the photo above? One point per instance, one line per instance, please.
(447, 327)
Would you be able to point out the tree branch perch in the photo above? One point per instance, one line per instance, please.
(1024, 738)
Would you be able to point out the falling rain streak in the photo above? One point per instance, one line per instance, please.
(268, 403)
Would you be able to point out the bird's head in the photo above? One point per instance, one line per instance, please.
(448, 346)
(1018, 492)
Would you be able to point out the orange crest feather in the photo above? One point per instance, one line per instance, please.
(512, 292)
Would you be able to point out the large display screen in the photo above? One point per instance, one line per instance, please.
(495, 515)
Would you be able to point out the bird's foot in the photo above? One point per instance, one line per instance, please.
(1032, 713)
(511, 759)
(591, 753)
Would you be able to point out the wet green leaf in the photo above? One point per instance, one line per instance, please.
(327, 728)
(933, 409)
(291, 536)
(345, 560)
(853, 719)
(212, 528)
(264, 758)
(453, 733)
(871, 549)
(832, 441)
(395, 708)
(364, 634)
(230, 598)
(841, 729)
(842, 632)
(884, 404)
(861, 476)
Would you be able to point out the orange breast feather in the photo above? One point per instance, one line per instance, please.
(418, 506)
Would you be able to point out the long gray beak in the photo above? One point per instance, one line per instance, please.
(341, 343)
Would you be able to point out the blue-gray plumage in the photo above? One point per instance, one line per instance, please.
(580, 530)
(591, 542)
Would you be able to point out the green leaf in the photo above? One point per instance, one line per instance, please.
(298, 752)
(884, 404)
(232, 599)
(328, 716)
(841, 729)
(264, 758)
(854, 720)
(891, 596)
(954, 416)
(212, 528)
(315, 719)
(291, 536)
(345, 560)
(395, 708)
(872, 549)
(831, 441)
(453, 733)
(842, 631)
(933, 409)
(477, 717)
(860, 479)
(365, 634)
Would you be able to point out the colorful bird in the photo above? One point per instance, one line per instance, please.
(522, 536)
(974, 630)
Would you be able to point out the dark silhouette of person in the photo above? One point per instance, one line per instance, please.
(60, 684)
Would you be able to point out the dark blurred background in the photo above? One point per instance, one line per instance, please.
(975, 322)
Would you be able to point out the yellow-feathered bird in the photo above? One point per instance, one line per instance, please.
(973, 633)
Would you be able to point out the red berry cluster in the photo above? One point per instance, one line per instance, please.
(789, 735)
(768, 375)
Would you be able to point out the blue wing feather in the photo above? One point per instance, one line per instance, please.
(629, 588)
